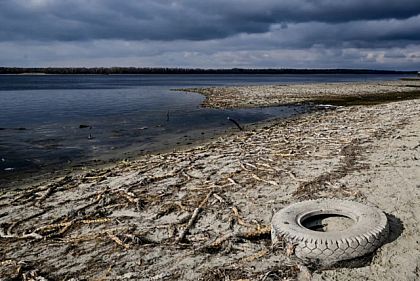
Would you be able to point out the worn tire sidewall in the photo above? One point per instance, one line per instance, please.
(369, 231)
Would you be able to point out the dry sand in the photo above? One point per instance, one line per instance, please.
(129, 222)
(335, 93)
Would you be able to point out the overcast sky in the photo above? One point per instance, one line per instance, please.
(379, 34)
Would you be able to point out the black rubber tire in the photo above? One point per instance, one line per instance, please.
(369, 231)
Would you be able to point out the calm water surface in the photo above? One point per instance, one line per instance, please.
(51, 121)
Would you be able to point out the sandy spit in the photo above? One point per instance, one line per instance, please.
(335, 93)
(204, 213)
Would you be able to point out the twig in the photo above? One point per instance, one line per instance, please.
(11, 227)
(266, 181)
(258, 255)
(232, 181)
(236, 123)
(219, 241)
(99, 220)
(46, 194)
(219, 198)
(91, 236)
(255, 234)
(292, 175)
(249, 235)
(160, 276)
(193, 218)
(238, 217)
(250, 165)
(118, 240)
(32, 235)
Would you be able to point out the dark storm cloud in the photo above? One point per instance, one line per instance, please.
(81, 20)
(211, 33)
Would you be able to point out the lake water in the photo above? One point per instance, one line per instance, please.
(52, 121)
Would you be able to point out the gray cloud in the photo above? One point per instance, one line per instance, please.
(217, 33)
(74, 20)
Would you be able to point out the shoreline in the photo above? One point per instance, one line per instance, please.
(21, 180)
(130, 218)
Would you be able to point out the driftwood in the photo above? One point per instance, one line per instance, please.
(236, 123)
(193, 218)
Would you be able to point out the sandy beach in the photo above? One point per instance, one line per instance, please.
(204, 212)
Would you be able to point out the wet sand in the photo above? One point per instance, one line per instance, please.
(203, 213)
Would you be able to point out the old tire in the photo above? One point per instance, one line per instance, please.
(368, 232)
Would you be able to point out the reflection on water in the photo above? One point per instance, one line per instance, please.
(49, 121)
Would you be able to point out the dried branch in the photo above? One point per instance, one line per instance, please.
(193, 218)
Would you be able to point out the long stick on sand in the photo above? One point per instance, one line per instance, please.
(193, 218)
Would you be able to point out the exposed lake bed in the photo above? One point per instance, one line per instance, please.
(133, 217)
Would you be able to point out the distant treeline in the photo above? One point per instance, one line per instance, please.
(147, 70)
